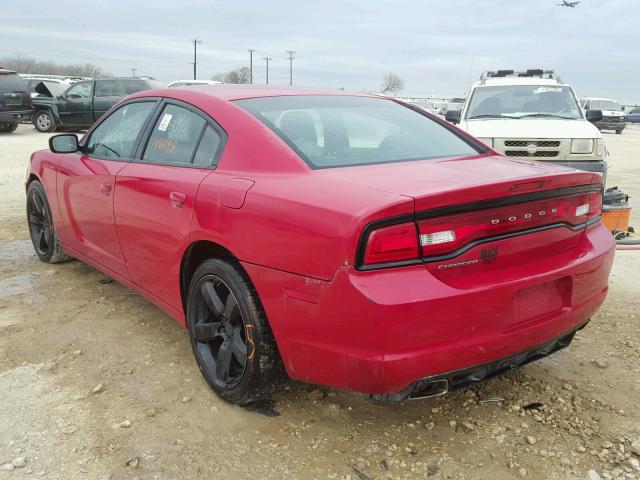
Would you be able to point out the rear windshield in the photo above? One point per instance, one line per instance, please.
(335, 131)
(12, 81)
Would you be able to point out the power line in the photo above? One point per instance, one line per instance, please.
(195, 56)
(267, 59)
(251, 65)
(291, 57)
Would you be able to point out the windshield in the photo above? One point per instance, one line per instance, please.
(604, 105)
(517, 101)
(335, 131)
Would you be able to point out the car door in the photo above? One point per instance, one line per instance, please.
(107, 93)
(76, 105)
(155, 195)
(86, 184)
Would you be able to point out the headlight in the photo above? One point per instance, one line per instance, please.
(599, 147)
(488, 141)
(582, 145)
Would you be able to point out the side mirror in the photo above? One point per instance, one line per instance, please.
(594, 115)
(64, 143)
(453, 116)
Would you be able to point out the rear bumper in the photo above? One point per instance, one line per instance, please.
(380, 332)
(14, 116)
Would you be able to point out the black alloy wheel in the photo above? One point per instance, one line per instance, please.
(219, 332)
(41, 227)
(39, 223)
(230, 335)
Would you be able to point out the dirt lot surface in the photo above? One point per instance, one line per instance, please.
(96, 383)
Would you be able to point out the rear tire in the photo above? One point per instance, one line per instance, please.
(8, 127)
(44, 121)
(41, 228)
(230, 336)
(619, 132)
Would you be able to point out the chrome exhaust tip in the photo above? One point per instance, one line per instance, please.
(428, 389)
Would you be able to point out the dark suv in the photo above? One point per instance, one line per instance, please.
(15, 101)
(84, 102)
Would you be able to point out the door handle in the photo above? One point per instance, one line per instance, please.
(106, 188)
(178, 199)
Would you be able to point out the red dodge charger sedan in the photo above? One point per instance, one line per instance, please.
(349, 240)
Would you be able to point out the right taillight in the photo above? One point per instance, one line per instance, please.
(397, 243)
(595, 205)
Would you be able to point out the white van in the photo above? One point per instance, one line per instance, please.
(532, 114)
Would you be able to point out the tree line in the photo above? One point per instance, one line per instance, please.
(26, 64)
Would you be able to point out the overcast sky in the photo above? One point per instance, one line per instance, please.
(436, 46)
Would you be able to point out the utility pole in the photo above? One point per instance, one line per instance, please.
(267, 59)
(195, 55)
(133, 72)
(291, 57)
(251, 65)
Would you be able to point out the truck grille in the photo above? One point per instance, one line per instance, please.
(541, 154)
(533, 148)
(537, 143)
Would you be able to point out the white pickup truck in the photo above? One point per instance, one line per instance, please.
(532, 114)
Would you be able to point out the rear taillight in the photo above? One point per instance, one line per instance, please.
(30, 99)
(443, 235)
(397, 243)
(447, 234)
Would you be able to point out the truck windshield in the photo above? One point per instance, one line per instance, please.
(518, 101)
(337, 131)
(604, 105)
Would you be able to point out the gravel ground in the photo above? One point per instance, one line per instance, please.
(96, 383)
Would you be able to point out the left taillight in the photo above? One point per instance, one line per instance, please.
(397, 243)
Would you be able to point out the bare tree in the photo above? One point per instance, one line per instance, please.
(238, 75)
(25, 64)
(392, 83)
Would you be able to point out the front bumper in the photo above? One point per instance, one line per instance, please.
(14, 116)
(380, 332)
(598, 166)
(607, 124)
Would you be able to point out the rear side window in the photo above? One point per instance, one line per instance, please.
(109, 88)
(116, 136)
(11, 82)
(334, 131)
(174, 137)
(207, 148)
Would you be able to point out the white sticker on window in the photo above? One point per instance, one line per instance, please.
(547, 89)
(164, 124)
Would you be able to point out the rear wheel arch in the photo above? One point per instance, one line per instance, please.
(194, 255)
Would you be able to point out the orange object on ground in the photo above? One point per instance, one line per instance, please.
(616, 218)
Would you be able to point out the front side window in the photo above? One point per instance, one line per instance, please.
(174, 137)
(335, 131)
(518, 101)
(82, 90)
(116, 136)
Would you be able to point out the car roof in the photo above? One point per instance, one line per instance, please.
(600, 98)
(230, 92)
(4, 71)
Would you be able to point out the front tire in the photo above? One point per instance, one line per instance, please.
(619, 132)
(44, 121)
(41, 228)
(230, 336)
